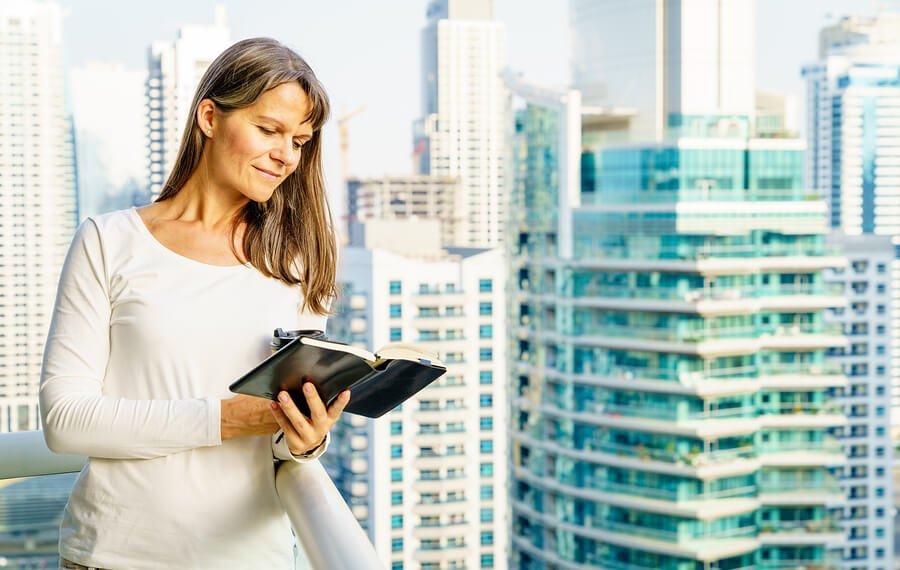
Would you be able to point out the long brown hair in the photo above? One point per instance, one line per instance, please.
(290, 236)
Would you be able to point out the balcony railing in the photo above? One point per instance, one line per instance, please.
(693, 295)
(700, 333)
(323, 523)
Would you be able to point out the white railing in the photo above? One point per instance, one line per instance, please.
(323, 523)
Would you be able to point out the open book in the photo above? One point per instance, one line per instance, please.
(378, 381)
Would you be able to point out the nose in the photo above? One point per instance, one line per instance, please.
(283, 152)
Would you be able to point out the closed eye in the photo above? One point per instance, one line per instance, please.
(297, 144)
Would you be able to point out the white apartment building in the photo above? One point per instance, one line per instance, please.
(428, 480)
(38, 203)
(865, 477)
(853, 132)
(173, 71)
(403, 197)
(462, 131)
(109, 133)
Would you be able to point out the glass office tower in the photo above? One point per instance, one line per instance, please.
(669, 397)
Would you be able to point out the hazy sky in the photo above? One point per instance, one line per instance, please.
(366, 52)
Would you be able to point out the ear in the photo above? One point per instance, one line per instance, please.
(206, 111)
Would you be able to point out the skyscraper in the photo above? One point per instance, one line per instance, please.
(428, 479)
(669, 61)
(174, 70)
(668, 356)
(461, 134)
(853, 144)
(866, 478)
(109, 132)
(38, 204)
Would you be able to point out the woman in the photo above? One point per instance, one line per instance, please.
(160, 308)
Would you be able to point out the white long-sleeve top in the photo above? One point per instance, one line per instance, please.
(142, 346)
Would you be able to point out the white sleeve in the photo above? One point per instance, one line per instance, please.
(77, 418)
(280, 449)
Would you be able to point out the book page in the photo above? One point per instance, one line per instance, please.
(401, 351)
(356, 351)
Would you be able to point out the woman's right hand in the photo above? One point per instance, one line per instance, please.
(247, 415)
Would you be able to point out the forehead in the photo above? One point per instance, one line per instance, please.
(286, 103)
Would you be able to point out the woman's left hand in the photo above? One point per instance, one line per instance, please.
(304, 434)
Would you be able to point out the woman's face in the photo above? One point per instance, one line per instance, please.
(253, 149)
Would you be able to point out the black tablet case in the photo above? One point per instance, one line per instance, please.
(372, 392)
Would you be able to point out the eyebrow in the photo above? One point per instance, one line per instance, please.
(280, 124)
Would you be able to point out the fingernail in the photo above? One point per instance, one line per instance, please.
(308, 388)
(283, 397)
(273, 405)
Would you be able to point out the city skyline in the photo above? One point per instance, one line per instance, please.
(380, 137)
(690, 367)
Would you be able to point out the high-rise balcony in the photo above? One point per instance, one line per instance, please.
(710, 382)
(583, 294)
(731, 341)
(813, 531)
(674, 539)
(325, 528)
(595, 246)
(801, 453)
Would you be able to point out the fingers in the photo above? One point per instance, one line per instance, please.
(295, 417)
(338, 405)
(304, 433)
(316, 408)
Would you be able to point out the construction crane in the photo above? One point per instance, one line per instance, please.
(344, 141)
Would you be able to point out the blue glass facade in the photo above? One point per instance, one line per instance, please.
(669, 378)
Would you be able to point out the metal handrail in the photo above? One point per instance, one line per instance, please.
(323, 523)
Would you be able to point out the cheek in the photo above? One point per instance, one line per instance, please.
(234, 154)
(243, 147)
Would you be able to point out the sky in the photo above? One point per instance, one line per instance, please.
(366, 52)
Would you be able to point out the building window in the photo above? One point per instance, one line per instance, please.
(487, 446)
(396, 521)
(396, 475)
(486, 423)
(487, 560)
(486, 469)
(396, 451)
(485, 400)
(485, 354)
(397, 565)
(486, 377)
(396, 544)
(487, 538)
(395, 311)
(396, 428)
(487, 492)
(485, 285)
(395, 288)
(396, 334)
(486, 331)
(485, 308)
(487, 514)
(396, 498)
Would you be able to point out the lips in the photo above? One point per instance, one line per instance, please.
(266, 172)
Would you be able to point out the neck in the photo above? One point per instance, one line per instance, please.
(205, 202)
